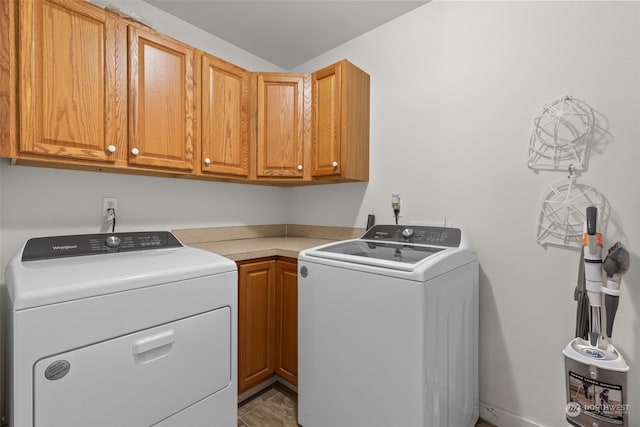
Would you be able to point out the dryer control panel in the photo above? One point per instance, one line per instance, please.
(415, 234)
(92, 244)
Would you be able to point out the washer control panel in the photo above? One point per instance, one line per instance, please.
(92, 244)
(415, 234)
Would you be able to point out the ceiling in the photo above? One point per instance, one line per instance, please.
(286, 33)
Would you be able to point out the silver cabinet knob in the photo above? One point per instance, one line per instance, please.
(334, 164)
(299, 167)
(111, 148)
(207, 161)
(135, 151)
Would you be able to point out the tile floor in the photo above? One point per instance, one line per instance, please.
(276, 407)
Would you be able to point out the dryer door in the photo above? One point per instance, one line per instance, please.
(137, 379)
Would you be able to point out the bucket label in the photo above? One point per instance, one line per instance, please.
(600, 400)
(594, 353)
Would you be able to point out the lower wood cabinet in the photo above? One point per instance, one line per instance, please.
(267, 321)
(287, 320)
(256, 322)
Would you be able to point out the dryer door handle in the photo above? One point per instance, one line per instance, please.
(143, 348)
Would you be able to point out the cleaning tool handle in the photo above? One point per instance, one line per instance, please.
(592, 240)
(592, 215)
(611, 305)
(593, 269)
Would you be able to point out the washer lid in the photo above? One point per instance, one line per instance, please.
(408, 254)
(387, 256)
(399, 249)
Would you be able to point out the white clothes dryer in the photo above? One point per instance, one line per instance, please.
(124, 329)
(388, 330)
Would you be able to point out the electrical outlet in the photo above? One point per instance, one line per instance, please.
(109, 203)
(396, 202)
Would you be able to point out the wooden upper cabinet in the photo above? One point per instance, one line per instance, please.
(8, 78)
(72, 86)
(89, 89)
(282, 125)
(224, 120)
(327, 108)
(161, 101)
(340, 135)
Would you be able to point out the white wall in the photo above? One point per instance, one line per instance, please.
(41, 202)
(454, 90)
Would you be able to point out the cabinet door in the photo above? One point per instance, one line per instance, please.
(327, 110)
(341, 122)
(72, 85)
(280, 128)
(8, 80)
(287, 320)
(225, 117)
(162, 104)
(256, 323)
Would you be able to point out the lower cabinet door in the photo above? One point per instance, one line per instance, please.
(256, 323)
(287, 321)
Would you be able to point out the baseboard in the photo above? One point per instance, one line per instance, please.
(287, 384)
(274, 380)
(503, 418)
(255, 390)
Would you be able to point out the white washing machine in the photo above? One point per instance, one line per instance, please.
(124, 329)
(388, 330)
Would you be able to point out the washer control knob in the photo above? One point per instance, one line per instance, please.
(112, 241)
(407, 233)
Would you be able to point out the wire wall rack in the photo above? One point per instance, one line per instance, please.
(563, 212)
(561, 135)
